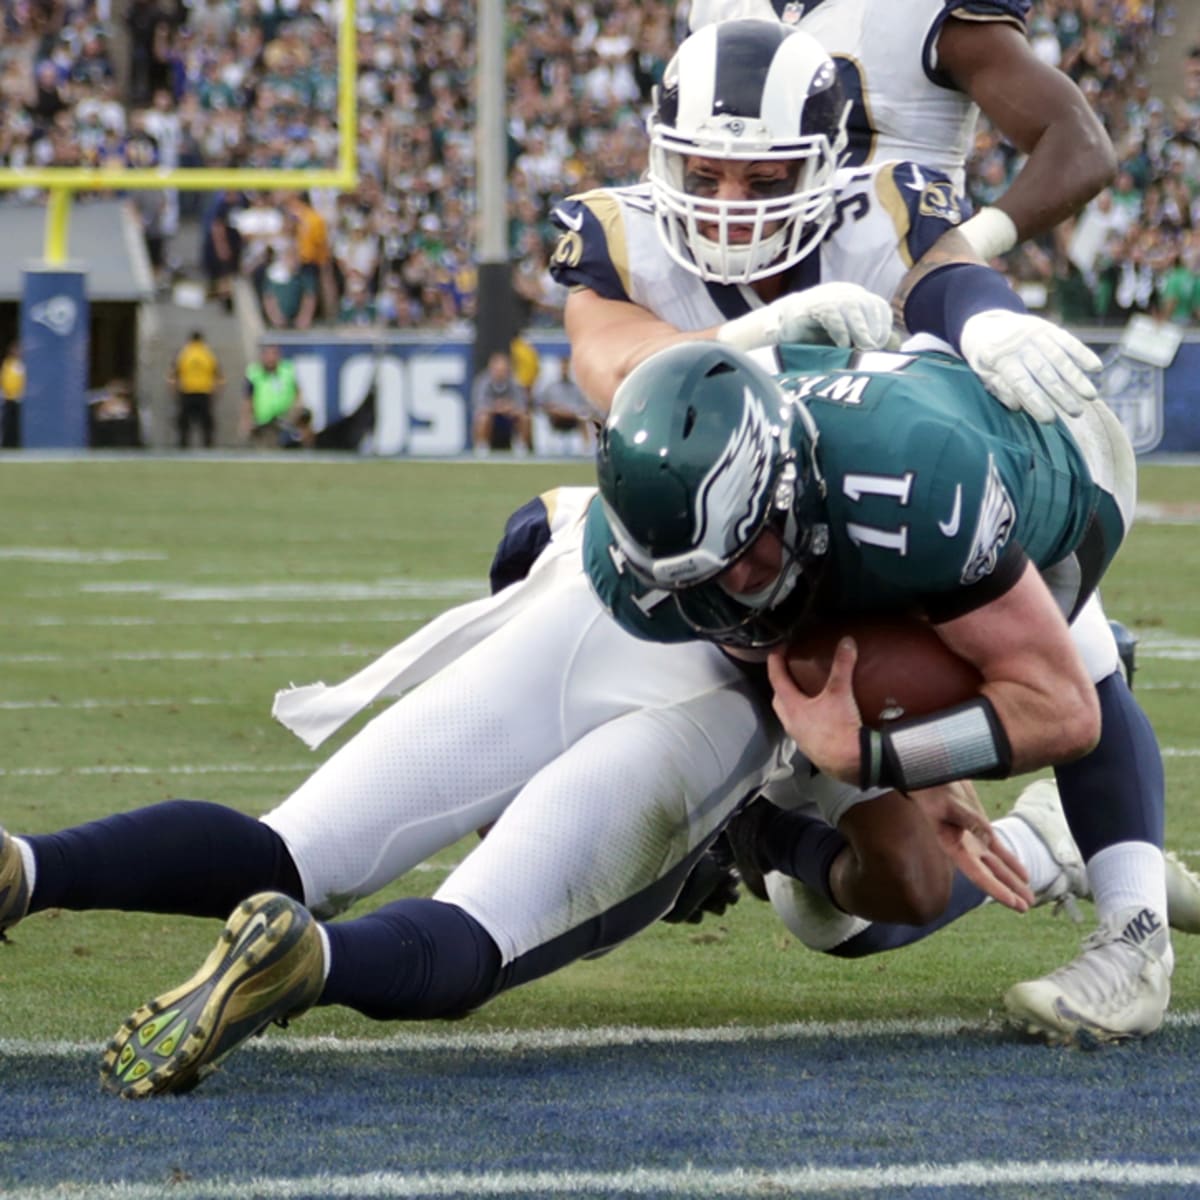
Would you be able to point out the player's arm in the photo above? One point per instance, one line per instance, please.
(901, 850)
(1037, 705)
(610, 337)
(1041, 112)
(1034, 677)
(1026, 362)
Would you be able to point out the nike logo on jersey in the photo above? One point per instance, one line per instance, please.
(573, 223)
(950, 527)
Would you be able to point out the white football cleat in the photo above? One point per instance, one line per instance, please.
(1040, 808)
(1183, 895)
(1118, 988)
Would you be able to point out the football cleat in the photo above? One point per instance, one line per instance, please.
(1117, 988)
(1040, 808)
(14, 884)
(267, 966)
(1183, 895)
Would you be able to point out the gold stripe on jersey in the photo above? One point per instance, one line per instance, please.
(892, 202)
(988, 18)
(605, 208)
(864, 97)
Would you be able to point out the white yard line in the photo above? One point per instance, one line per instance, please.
(519, 1041)
(652, 1181)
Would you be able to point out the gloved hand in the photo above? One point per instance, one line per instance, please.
(711, 888)
(1028, 363)
(843, 313)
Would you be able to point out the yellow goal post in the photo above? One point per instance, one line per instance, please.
(62, 183)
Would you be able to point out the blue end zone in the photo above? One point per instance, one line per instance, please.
(979, 1112)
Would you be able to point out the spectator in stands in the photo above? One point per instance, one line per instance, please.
(196, 378)
(357, 306)
(221, 252)
(289, 297)
(12, 390)
(312, 246)
(500, 408)
(273, 413)
(228, 82)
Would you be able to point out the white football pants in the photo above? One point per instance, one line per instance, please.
(604, 761)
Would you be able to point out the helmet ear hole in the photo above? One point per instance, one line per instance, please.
(689, 420)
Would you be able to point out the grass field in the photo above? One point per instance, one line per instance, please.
(152, 608)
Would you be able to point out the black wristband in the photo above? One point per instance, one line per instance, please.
(964, 742)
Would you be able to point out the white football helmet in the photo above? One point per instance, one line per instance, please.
(747, 91)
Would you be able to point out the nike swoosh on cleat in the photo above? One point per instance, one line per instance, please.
(257, 924)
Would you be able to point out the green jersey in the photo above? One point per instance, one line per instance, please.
(936, 495)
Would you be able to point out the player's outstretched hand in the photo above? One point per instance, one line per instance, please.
(967, 837)
(842, 313)
(1028, 363)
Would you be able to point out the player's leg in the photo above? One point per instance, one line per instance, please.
(401, 789)
(592, 850)
(447, 759)
(181, 856)
(1113, 799)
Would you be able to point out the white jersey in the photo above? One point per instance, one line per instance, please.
(886, 52)
(887, 217)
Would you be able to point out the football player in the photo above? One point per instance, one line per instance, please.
(712, 246)
(744, 511)
(918, 77)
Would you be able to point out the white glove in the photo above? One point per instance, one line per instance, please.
(842, 313)
(1028, 363)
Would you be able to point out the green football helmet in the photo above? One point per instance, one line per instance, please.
(702, 451)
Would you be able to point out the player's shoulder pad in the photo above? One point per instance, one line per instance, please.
(592, 250)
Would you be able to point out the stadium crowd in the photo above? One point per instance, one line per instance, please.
(254, 83)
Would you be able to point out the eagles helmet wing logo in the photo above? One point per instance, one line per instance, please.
(997, 516)
(730, 499)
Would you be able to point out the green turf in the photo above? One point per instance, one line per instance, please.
(223, 525)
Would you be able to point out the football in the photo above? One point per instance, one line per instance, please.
(903, 670)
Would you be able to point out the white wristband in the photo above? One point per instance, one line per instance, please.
(991, 232)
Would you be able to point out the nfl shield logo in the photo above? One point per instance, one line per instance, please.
(1134, 391)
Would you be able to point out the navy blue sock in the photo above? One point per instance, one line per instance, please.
(882, 935)
(182, 856)
(800, 846)
(412, 960)
(1117, 793)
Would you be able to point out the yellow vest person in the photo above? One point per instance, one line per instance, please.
(195, 376)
